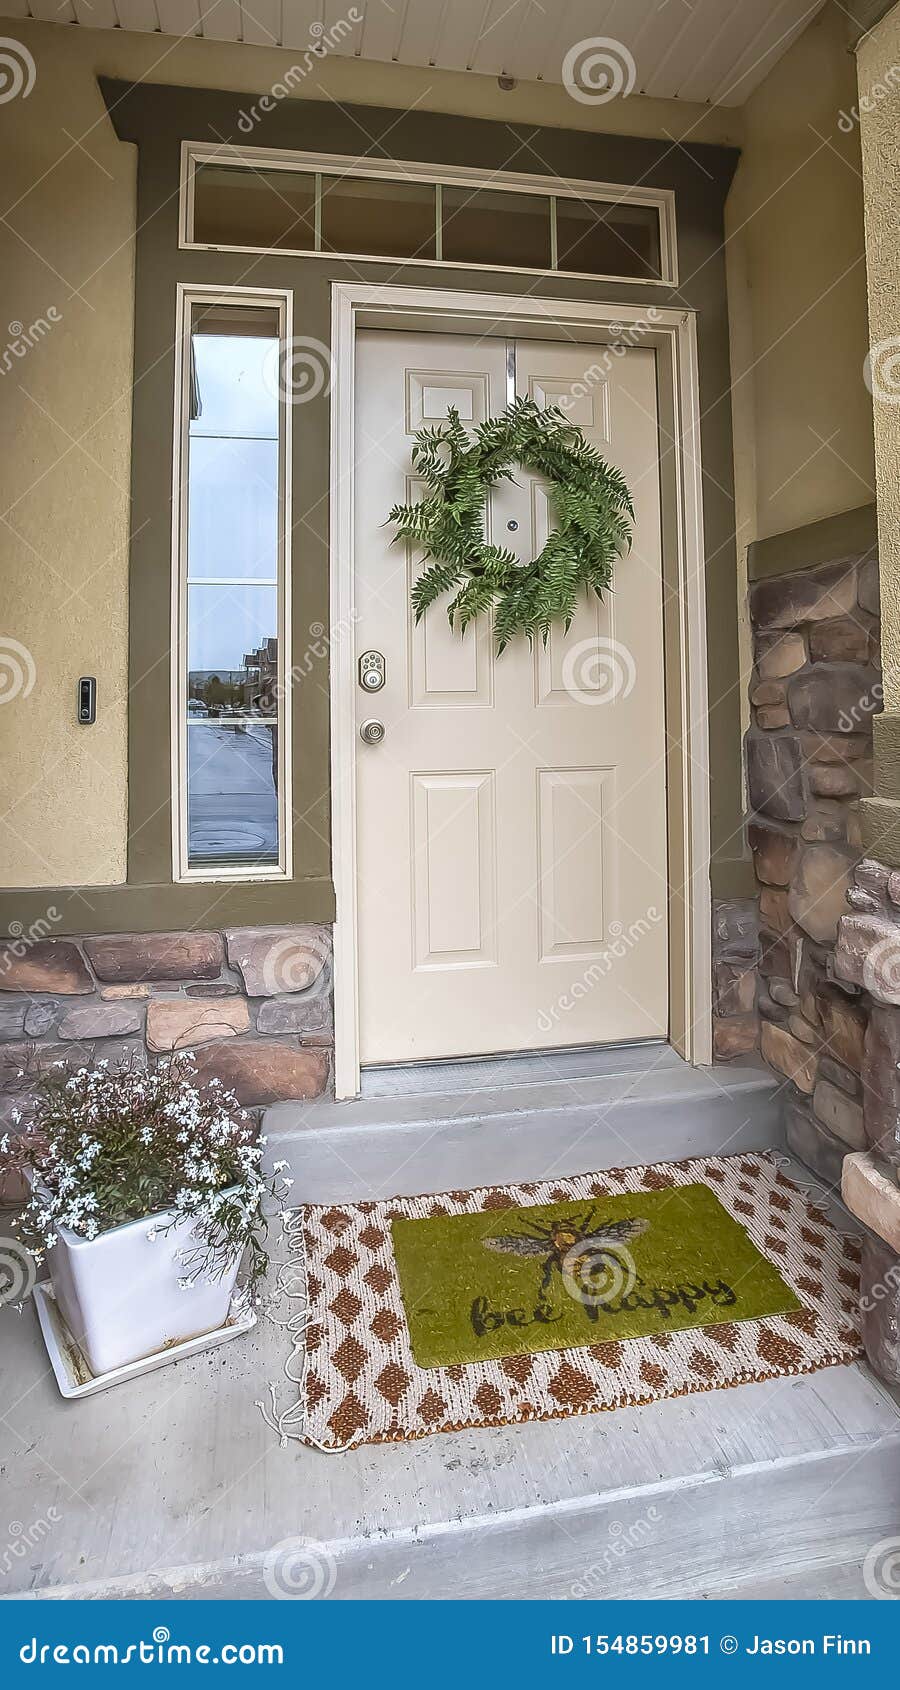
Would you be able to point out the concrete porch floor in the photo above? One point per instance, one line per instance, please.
(173, 1485)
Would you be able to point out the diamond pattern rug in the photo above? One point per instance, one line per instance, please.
(354, 1359)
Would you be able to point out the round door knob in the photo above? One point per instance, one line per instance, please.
(371, 732)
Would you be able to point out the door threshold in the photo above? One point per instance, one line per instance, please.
(513, 1068)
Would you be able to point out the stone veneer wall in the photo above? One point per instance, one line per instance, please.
(735, 958)
(816, 684)
(254, 1004)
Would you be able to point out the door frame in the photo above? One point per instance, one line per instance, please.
(673, 334)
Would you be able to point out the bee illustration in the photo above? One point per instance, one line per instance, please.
(574, 1248)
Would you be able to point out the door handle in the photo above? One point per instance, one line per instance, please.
(371, 732)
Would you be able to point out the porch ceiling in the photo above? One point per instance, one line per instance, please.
(699, 50)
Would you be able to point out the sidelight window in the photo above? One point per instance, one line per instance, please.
(231, 589)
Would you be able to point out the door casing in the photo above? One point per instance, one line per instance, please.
(673, 333)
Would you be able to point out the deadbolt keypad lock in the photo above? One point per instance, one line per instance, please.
(371, 671)
(371, 732)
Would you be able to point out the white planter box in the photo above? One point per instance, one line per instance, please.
(119, 1293)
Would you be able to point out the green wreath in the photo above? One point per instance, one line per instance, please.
(591, 504)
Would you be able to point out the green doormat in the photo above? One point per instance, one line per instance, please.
(559, 1275)
(531, 1301)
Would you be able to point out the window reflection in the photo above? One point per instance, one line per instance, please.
(233, 692)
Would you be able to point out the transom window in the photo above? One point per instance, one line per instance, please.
(265, 201)
(230, 593)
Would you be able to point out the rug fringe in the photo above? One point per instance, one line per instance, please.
(290, 1422)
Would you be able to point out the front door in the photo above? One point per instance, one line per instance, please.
(511, 842)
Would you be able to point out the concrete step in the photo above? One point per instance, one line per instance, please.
(463, 1124)
(174, 1486)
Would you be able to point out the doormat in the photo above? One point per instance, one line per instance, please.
(535, 1301)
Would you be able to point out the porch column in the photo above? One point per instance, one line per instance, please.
(867, 954)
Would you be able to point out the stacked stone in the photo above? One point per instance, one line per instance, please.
(815, 687)
(253, 1003)
(735, 949)
(867, 957)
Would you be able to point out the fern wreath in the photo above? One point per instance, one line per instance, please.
(591, 504)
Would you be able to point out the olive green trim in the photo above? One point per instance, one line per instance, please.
(880, 827)
(886, 747)
(733, 878)
(849, 534)
(72, 910)
(160, 113)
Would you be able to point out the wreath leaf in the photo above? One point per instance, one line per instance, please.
(591, 504)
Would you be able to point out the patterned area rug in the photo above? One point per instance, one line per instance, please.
(534, 1301)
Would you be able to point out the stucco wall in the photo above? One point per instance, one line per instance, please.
(879, 117)
(794, 224)
(799, 342)
(69, 198)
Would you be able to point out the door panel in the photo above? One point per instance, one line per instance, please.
(575, 849)
(511, 825)
(454, 864)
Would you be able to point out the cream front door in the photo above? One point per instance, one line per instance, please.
(511, 824)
